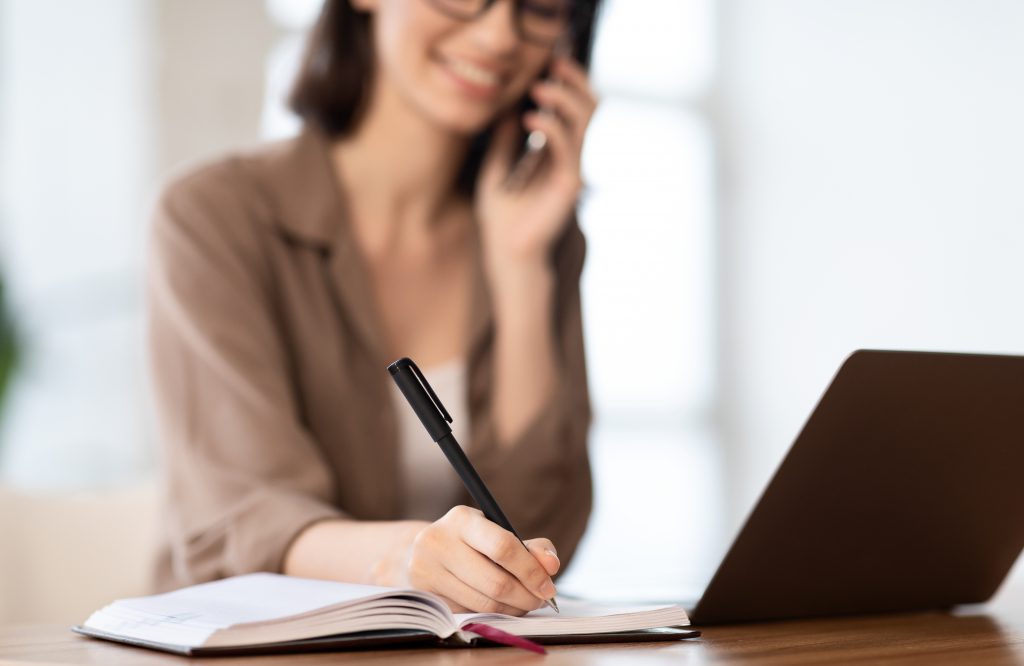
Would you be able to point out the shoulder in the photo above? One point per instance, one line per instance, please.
(281, 189)
(227, 193)
(216, 217)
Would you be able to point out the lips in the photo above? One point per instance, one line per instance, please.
(473, 78)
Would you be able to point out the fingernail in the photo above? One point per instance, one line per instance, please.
(551, 552)
(547, 590)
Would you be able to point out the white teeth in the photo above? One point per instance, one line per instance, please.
(474, 74)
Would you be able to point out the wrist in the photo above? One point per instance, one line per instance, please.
(503, 254)
(519, 277)
(390, 570)
(521, 293)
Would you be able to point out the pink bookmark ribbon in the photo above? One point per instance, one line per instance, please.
(503, 637)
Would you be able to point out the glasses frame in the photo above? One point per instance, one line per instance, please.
(440, 6)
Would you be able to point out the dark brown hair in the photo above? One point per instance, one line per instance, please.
(333, 83)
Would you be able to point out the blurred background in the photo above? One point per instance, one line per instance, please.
(771, 186)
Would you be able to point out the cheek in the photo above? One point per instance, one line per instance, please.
(408, 33)
(404, 32)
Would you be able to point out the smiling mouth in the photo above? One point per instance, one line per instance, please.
(479, 79)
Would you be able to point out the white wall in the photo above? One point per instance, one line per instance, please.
(210, 56)
(871, 196)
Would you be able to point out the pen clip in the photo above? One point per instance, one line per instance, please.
(430, 391)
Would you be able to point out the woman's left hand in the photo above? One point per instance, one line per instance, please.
(519, 225)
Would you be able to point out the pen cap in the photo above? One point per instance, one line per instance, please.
(421, 397)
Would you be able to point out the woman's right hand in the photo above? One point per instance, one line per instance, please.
(477, 566)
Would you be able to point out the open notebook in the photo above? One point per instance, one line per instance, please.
(268, 612)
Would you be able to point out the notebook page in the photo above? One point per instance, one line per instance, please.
(191, 615)
(582, 617)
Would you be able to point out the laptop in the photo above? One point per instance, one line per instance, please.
(903, 492)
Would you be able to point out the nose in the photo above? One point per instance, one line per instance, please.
(496, 29)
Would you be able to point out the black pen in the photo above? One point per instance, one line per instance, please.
(435, 419)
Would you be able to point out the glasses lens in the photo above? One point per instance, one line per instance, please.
(461, 9)
(544, 20)
(539, 20)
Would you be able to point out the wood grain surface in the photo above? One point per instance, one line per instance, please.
(973, 635)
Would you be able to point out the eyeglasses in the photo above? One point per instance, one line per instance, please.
(538, 21)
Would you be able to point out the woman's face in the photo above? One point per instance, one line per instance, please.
(458, 74)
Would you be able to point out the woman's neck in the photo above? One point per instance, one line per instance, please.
(399, 171)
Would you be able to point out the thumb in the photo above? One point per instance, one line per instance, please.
(499, 156)
(545, 552)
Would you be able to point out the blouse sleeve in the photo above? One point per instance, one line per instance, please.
(243, 476)
(542, 480)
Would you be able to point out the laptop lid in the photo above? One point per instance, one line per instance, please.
(904, 491)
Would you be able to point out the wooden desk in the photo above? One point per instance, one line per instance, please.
(982, 635)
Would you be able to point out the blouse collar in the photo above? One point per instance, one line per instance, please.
(308, 208)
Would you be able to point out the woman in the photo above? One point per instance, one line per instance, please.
(284, 281)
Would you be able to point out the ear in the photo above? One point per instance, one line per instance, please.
(364, 5)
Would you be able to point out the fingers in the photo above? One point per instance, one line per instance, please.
(573, 75)
(491, 584)
(571, 94)
(469, 598)
(505, 550)
(477, 565)
(573, 103)
(441, 562)
(545, 553)
(564, 150)
(575, 110)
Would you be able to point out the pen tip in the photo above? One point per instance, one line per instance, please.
(553, 605)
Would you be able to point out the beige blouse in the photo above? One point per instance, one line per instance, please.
(271, 389)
